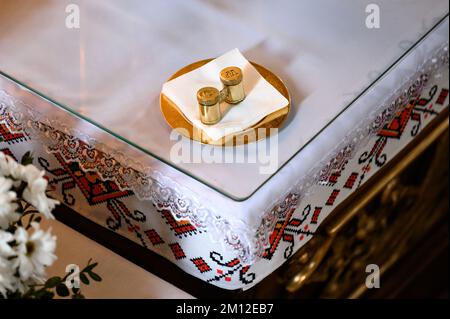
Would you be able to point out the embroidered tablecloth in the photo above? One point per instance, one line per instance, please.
(86, 102)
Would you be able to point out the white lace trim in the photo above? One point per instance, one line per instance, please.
(165, 193)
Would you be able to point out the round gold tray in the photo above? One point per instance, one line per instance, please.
(176, 119)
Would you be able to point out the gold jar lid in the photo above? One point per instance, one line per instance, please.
(208, 96)
(231, 75)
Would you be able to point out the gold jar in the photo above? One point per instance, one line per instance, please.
(209, 104)
(231, 78)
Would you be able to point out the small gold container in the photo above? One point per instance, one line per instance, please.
(209, 104)
(231, 78)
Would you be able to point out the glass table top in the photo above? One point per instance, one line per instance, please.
(110, 70)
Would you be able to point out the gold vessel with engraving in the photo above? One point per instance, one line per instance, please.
(208, 99)
(231, 78)
(176, 119)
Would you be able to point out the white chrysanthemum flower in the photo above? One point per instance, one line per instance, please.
(5, 249)
(9, 167)
(23, 255)
(7, 279)
(8, 207)
(34, 252)
(34, 193)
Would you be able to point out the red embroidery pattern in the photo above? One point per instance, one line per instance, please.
(332, 198)
(351, 180)
(177, 251)
(182, 227)
(154, 237)
(201, 264)
(316, 214)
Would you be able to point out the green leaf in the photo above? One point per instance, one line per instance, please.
(78, 296)
(94, 276)
(37, 294)
(27, 158)
(48, 295)
(43, 294)
(90, 267)
(53, 282)
(62, 290)
(84, 279)
(18, 295)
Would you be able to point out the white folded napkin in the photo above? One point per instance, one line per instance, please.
(261, 97)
